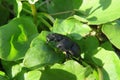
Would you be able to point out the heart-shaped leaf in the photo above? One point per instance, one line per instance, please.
(71, 27)
(99, 11)
(112, 31)
(15, 38)
(70, 70)
(110, 61)
(41, 54)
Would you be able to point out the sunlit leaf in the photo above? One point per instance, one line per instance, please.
(32, 75)
(111, 63)
(112, 31)
(99, 11)
(70, 70)
(71, 27)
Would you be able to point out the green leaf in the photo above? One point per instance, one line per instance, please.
(112, 31)
(89, 47)
(19, 7)
(93, 76)
(107, 45)
(67, 8)
(71, 27)
(99, 11)
(3, 76)
(41, 54)
(15, 38)
(90, 44)
(12, 69)
(16, 71)
(7, 65)
(33, 75)
(70, 70)
(111, 64)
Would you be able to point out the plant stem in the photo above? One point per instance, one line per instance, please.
(34, 13)
(45, 22)
(65, 12)
(100, 73)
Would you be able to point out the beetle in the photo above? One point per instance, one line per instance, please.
(65, 44)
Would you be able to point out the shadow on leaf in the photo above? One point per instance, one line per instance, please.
(57, 74)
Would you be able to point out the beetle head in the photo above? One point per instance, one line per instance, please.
(54, 37)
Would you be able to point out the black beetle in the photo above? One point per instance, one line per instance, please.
(65, 44)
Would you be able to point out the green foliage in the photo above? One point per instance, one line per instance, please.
(110, 62)
(3, 76)
(100, 11)
(113, 35)
(38, 49)
(72, 27)
(25, 53)
(64, 6)
(65, 71)
(15, 38)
